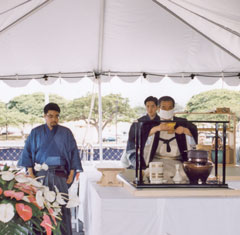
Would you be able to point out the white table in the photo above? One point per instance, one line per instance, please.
(115, 211)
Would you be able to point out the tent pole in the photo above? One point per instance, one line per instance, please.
(100, 118)
(100, 54)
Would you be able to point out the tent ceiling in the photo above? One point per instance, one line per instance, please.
(218, 20)
(138, 36)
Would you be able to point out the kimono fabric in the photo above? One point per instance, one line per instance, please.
(58, 149)
(129, 157)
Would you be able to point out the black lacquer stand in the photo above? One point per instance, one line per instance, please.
(140, 183)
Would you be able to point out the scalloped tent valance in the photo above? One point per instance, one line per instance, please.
(183, 40)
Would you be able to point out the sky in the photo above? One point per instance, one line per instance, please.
(136, 91)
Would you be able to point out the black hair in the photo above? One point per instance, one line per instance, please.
(166, 98)
(51, 106)
(151, 98)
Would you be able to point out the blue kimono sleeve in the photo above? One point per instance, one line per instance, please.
(26, 156)
(75, 163)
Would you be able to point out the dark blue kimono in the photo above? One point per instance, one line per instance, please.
(130, 154)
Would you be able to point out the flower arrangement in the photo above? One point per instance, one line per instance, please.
(26, 203)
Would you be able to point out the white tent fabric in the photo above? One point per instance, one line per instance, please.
(219, 20)
(137, 36)
(12, 11)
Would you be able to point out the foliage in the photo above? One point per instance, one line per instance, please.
(34, 103)
(139, 111)
(114, 107)
(210, 100)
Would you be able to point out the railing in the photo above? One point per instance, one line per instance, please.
(86, 153)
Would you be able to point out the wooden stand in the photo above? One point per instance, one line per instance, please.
(109, 177)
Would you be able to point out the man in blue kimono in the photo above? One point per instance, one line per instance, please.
(55, 146)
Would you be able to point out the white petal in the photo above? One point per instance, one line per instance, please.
(25, 198)
(21, 178)
(7, 212)
(37, 167)
(39, 198)
(45, 166)
(60, 200)
(50, 195)
(7, 175)
(55, 204)
(73, 202)
(35, 183)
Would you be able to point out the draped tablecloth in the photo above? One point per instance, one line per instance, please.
(115, 211)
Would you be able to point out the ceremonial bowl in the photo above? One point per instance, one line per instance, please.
(197, 156)
(197, 171)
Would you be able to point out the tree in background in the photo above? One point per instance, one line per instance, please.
(210, 100)
(8, 118)
(27, 109)
(33, 104)
(114, 107)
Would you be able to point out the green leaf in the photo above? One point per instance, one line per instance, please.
(11, 184)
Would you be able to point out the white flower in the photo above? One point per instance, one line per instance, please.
(7, 175)
(45, 166)
(21, 178)
(73, 202)
(13, 167)
(37, 167)
(55, 204)
(7, 212)
(25, 198)
(49, 195)
(60, 200)
(40, 198)
(59, 197)
(35, 183)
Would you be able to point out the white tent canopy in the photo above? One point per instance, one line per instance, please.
(75, 38)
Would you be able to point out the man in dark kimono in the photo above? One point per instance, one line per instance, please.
(55, 146)
(129, 157)
(168, 143)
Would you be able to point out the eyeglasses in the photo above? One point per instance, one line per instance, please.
(53, 116)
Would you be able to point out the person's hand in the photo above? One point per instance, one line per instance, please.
(77, 176)
(70, 179)
(30, 172)
(32, 175)
(161, 127)
(182, 130)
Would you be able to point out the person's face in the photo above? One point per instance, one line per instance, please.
(166, 105)
(151, 108)
(51, 118)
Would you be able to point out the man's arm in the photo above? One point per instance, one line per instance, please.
(162, 127)
(183, 130)
(26, 156)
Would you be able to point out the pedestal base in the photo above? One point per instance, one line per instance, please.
(109, 177)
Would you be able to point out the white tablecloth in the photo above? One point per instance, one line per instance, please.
(115, 211)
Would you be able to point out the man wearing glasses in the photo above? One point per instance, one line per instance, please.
(55, 146)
